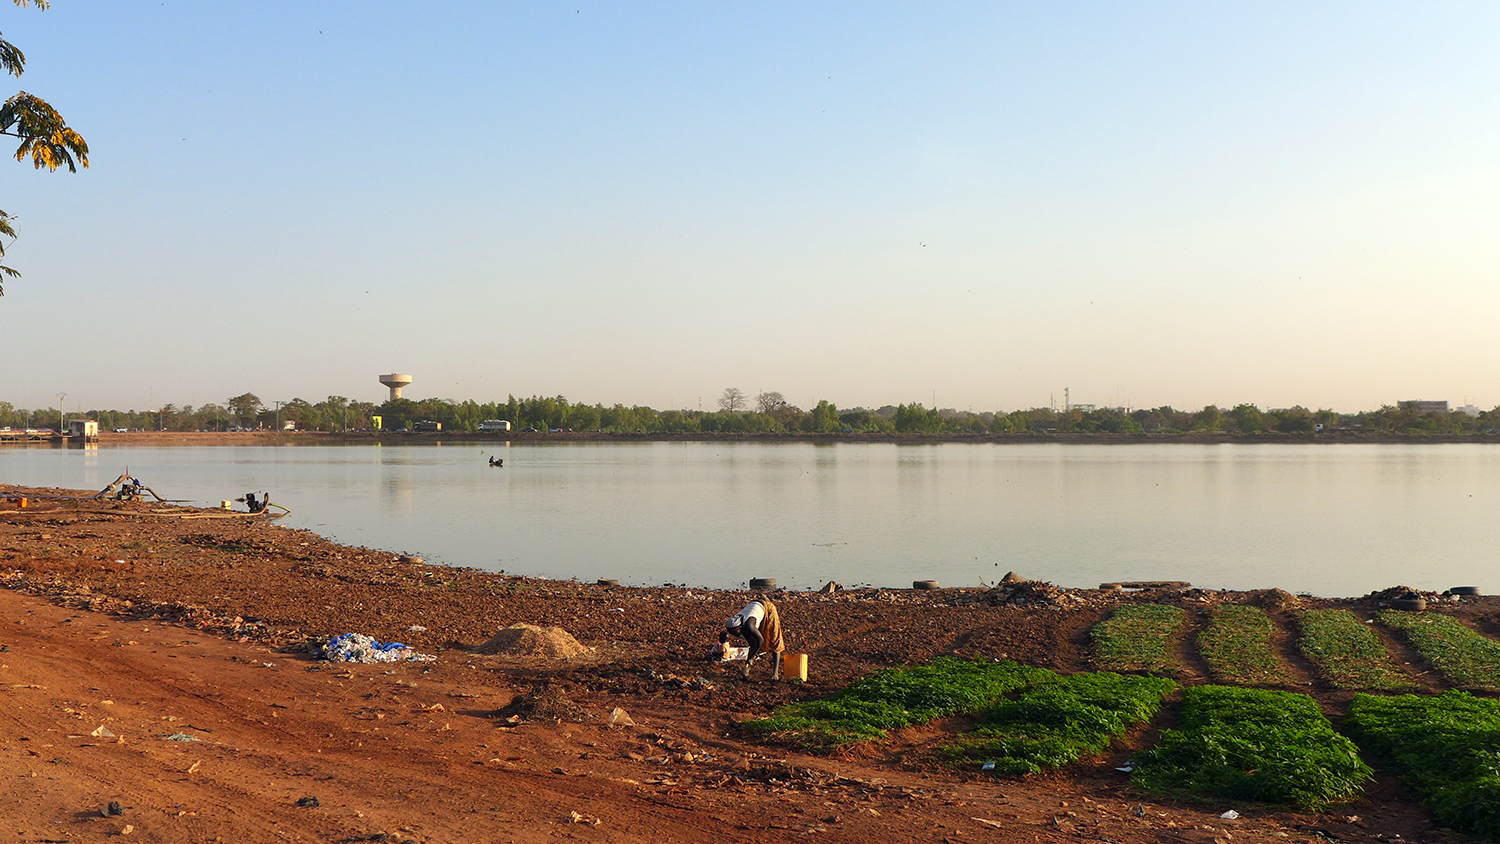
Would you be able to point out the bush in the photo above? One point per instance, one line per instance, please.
(895, 698)
(1446, 748)
(1052, 724)
(1253, 744)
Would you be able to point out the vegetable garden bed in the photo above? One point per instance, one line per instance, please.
(1138, 637)
(895, 698)
(1347, 652)
(1053, 724)
(1252, 744)
(1464, 657)
(1445, 747)
(1237, 647)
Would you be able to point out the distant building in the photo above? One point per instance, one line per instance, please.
(1421, 406)
(84, 429)
(1086, 408)
(1469, 409)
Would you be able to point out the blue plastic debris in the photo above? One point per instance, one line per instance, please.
(357, 647)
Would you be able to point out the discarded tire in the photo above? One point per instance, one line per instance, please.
(1409, 604)
(607, 581)
(761, 584)
(1464, 590)
(924, 584)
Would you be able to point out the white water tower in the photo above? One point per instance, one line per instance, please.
(395, 381)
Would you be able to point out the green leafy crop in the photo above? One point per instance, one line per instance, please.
(895, 698)
(1138, 637)
(1237, 647)
(1446, 748)
(1461, 655)
(1348, 652)
(1052, 724)
(1252, 744)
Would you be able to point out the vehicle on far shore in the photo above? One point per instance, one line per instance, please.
(122, 430)
(494, 425)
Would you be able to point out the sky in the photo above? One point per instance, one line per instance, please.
(976, 205)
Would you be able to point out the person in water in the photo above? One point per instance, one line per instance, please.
(760, 625)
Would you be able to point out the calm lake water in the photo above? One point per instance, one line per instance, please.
(1338, 520)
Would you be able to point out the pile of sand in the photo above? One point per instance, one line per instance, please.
(529, 640)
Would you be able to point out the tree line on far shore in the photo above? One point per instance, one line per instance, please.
(765, 413)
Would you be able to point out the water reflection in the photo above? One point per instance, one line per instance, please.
(1325, 519)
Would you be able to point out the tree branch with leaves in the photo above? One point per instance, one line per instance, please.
(45, 136)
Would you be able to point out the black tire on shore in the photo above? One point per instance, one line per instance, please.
(924, 584)
(762, 584)
(1409, 604)
(1464, 590)
(608, 581)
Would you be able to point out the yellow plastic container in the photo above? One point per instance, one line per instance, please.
(794, 667)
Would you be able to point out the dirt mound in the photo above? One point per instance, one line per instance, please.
(1399, 592)
(545, 702)
(1017, 591)
(1274, 599)
(529, 640)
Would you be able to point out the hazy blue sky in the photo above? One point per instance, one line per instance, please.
(981, 203)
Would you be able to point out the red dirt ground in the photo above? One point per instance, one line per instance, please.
(146, 622)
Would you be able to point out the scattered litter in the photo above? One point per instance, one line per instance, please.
(416, 628)
(357, 647)
(574, 817)
(194, 767)
(995, 824)
(181, 737)
(616, 609)
(988, 766)
(308, 802)
(619, 718)
(672, 681)
(1125, 769)
(114, 809)
(268, 665)
(1230, 815)
(127, 829)
(102, 731)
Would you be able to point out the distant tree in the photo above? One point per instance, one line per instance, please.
(1293, 420)
(245, 406)
(769, 403)
(45, 136)
(1247, 419)
(824, 419)
(915, 418)
(1209, 419)
(733, 400)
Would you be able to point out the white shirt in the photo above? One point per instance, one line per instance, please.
(755, 610)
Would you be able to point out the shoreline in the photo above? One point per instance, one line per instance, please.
(146, 621)
(304, 438)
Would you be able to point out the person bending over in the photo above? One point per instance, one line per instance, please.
(760, 625)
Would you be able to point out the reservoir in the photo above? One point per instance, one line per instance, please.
(1334, 520)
